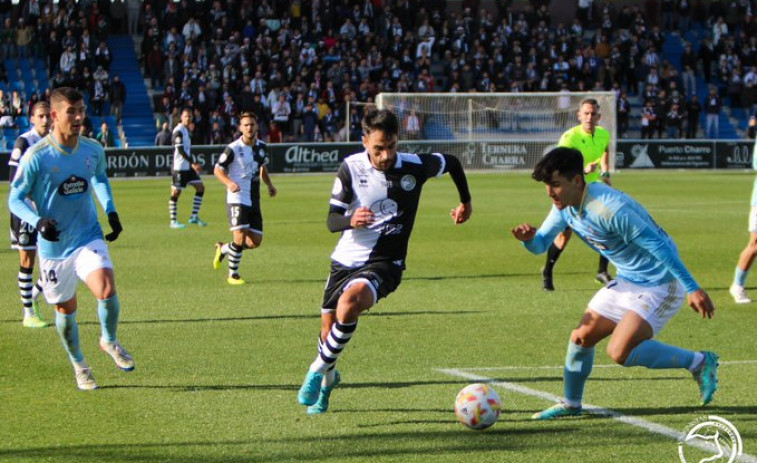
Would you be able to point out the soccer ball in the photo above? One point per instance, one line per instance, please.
(477, 406)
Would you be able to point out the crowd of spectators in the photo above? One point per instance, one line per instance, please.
(71, 39)
(296, 63)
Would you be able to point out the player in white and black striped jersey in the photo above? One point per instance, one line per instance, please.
(241, 167)
(185, 171)
(374, 201)
(24, 235)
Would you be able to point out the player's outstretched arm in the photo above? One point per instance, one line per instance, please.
(221, 175)
(604, 164)
(20, 187)
(463, 212)
(636, 230)
(524, 232)
(272, 191)
(537, 240)
(104, 194)
(20, 208)
(700, 301)
(338, 221)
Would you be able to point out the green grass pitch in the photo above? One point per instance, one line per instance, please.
(218, 367)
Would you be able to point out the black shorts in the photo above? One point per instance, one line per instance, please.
(383, 277)
(245, 217)
(182, 178)
(23, 235)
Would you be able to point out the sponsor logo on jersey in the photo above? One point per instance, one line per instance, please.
(73, 186)
(408, 182)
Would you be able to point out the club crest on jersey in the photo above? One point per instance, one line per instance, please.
(408, 182)
(384, 207)
(73, 186)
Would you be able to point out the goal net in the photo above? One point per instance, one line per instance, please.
(492, 131)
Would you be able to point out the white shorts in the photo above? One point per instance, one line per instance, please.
(656, 304)
(753, 220)
(60, 277)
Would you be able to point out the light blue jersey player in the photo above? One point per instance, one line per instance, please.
(59, 174)
(747, 256)
(649, 289)
(60, 181)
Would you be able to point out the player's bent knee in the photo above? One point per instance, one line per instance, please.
(356, 299)
(252, 240)
(618, 354)
(581, 337)
(101, 283)
(68, 307)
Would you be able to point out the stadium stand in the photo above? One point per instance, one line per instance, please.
(137, 122)
(220, 53)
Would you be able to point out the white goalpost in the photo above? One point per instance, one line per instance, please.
(492, 131)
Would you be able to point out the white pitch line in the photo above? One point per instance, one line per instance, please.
(609, 365)
(596, 410)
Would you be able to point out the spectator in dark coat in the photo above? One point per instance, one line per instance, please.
(309, 121)
(154, 64)
(117, 98)
(693, 110)
(163, 138)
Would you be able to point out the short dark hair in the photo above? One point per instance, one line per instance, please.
(68, 94)
(380, 119)
(591, 101)
(569, 162)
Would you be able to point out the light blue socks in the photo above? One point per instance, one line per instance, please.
(739, 277)
(107, 311)
(578, 364)
(68, 330)
(654, 354)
